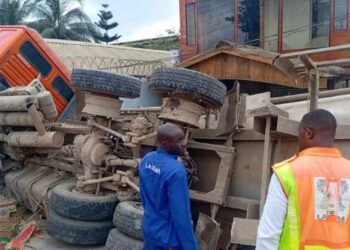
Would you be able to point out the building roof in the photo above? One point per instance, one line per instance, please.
(247, 63)
(239, 50)
(121, 59)
(229, 61)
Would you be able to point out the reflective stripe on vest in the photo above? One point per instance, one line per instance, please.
(317, 186)
(290, 238)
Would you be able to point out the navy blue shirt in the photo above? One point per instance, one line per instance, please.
(167, 219)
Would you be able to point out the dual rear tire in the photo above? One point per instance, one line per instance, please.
(84, 219)
(78, 218)
(128, 232)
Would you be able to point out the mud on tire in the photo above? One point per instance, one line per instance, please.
(128, 218)
(206, 88)
(117, 241)
(77, 232)
(73, 205)
(106, 83)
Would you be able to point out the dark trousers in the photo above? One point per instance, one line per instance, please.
(151, 246)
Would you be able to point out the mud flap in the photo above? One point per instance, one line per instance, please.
(208, 232)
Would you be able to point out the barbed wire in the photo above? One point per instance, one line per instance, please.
(117, 65)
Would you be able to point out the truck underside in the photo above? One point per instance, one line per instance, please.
(79, 172)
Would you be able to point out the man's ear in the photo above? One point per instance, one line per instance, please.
(165, 145)
(310, 133)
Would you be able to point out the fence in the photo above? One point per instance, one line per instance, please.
(116, 65)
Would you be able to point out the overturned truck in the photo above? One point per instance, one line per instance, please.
(84, 175)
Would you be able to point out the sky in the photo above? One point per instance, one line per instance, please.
(138, 19)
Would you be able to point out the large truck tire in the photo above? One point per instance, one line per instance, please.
(119, 241)
(195, 84)
(74, 205)
(85, 233)
(128, 218)
(106, 83)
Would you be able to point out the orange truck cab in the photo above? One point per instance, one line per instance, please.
(24, 55)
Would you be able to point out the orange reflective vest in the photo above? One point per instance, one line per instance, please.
(317, 185)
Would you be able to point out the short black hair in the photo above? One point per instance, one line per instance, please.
(167, 130)
(320, 120)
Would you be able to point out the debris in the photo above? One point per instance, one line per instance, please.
(208, 232)
(7, 207)
(27, 231)
(8, 220)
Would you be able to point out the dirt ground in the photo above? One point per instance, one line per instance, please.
(48, 243)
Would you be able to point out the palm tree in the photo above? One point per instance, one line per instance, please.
(63, 19)
(14, 12)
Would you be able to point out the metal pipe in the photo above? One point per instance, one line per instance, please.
(37, 120)
(137, 140)
(95, 181)
(112, 160)
(107, 130)
(98, 184)
(32, 139)
(124, 179)
(130, 183)
(340, 62)
(304, 97)
(70, 128)
(314, 89)
(266, 169)
(148, 109)
(17, 103)
(17, 119)
(316, 51)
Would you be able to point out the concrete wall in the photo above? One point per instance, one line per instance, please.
(335, 104)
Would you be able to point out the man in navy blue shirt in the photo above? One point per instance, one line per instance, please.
(167, 222)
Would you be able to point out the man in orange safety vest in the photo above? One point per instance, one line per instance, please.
(307, 205)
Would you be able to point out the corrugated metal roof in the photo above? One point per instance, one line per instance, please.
(121, 59)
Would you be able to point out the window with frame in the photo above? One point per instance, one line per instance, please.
(3, 83)
(249, 22)
(271, 25)
(63, 88)
(340, 14)
(33, 56)
(215, 23)
(320, 19)
(305, 24)
(190, 24)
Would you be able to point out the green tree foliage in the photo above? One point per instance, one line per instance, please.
(105, 16)
(63, 19)
(14, 12)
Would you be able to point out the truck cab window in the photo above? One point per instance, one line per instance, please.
(33, 56)
(3, 83)
(62, 87)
